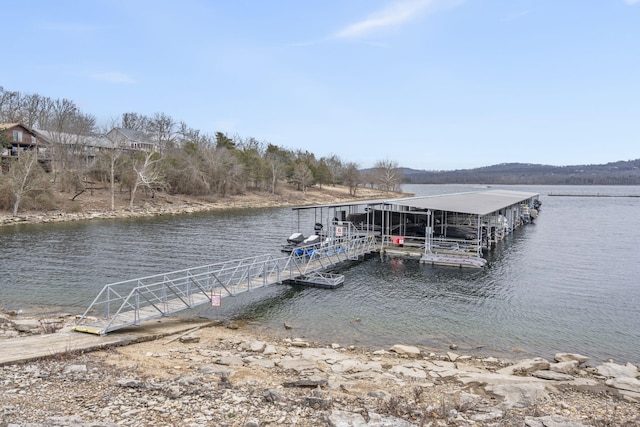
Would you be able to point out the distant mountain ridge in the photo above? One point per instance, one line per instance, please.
(615, 173)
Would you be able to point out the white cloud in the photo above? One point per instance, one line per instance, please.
(396, 14)
(114, 77)
(631, 1)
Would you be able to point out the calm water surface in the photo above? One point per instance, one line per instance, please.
(569, 282)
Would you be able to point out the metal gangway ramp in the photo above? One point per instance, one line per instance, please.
(130, 302)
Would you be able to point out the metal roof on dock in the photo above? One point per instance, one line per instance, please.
(475, 202)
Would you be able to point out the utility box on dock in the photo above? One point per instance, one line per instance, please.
(397, 240)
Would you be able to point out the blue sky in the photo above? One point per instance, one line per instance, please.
(429, 84)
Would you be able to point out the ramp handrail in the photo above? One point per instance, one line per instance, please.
(129, 302)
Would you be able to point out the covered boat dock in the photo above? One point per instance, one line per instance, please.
(448, 229)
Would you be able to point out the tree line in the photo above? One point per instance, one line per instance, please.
(186, 161)
(614, 173)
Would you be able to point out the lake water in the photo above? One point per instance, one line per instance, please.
(569, 282)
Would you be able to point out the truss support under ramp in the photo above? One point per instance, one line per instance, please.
(130, 302)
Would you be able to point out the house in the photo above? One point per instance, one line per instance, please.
(50, 144)
(19, 139)
(129, 139)
(86, 146)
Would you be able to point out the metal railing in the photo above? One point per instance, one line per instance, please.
(130, 302)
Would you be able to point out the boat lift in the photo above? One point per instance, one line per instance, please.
(131, 302)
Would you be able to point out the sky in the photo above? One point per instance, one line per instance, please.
(427, 84)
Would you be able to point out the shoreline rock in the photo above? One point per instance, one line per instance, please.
(236, 377)
(178, 205)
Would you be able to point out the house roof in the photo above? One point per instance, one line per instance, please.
(133, 135)
(68, 138)
(6, 126)
(9, 125)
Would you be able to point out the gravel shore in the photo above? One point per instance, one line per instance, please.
(228, 375)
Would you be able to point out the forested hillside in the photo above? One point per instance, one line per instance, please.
(616, 173)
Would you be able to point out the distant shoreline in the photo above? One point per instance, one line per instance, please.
(590, 195)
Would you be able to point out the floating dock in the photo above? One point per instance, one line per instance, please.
(448, 229)
(318, 280)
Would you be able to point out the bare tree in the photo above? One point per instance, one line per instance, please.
(302, 176)
(336, 168)
(351, 177)
(322, 173)
(388, 175)
(184, 171)
(68, 130)
(148, 174)
(185, 135)
(10, 106)
(162, 130)
(223, 170)
(369, 178)
(135, 121)
(277, 161)
(25, 176)
(110, 157)
(250, 153)
(31, 105)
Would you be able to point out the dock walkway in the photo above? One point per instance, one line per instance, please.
(130, 302)
(35, 347)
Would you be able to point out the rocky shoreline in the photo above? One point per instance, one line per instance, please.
(227, 375)
(165, 204)
(144, 211)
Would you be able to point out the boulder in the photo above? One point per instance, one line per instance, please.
(297, 364)
(441, 369)
(339, 418)
(75, 369)
(624, 383)
(407, 350)
(523, 395)
(552, 375)
(29, 326)
(257, 346)
(269, 349)
(230, 361)
(551, 421)
(525, 366)
(350, 366)
(570, 367)
(452, 356)
(264, 363)
(409, 371)
(613, 370)
(567, 357)
(189, 339)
